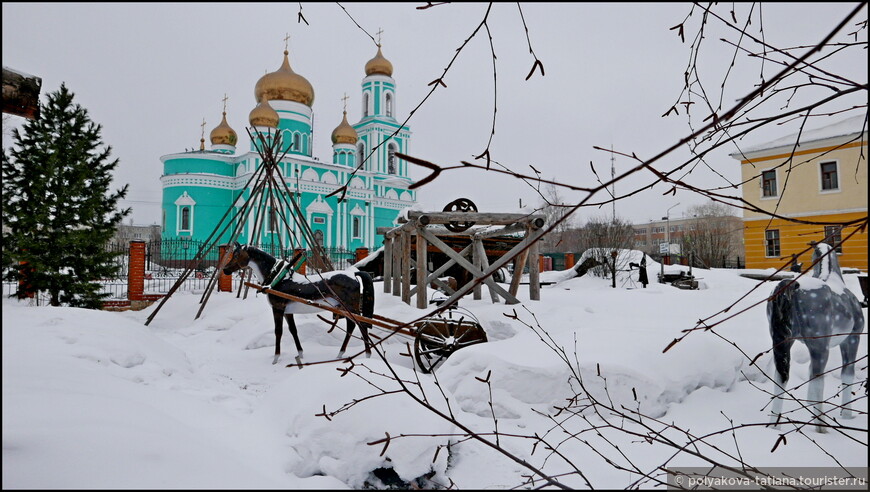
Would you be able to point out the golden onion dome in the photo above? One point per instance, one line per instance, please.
(223, 134)
(344, 133)
(264, 115)
(379, 65)
(284, 84)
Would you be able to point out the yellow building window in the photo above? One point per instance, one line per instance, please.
(829, 176)
(771, 243)
(768, 183)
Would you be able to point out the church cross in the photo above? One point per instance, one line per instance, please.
(203, 127)
(380, 31)
(287, 42)
(344, 99)
(225, 102)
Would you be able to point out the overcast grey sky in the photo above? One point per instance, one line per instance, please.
(149, 73)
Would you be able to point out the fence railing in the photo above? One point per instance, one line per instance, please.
(166, 261)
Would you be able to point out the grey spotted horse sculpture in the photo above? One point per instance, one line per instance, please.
(822, 313)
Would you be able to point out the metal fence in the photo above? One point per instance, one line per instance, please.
(166, 261)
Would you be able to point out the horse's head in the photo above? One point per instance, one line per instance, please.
(828, 268)
(238, 259)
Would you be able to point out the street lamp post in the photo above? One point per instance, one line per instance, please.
(667, 219)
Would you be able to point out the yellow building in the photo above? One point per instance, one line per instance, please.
(822, 180)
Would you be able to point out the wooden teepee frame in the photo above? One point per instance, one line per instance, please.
(269, 191)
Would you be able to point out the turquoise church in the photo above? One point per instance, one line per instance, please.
(200, 186)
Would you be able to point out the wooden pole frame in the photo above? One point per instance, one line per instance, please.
(397, 254)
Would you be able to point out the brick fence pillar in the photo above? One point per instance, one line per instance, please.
(301, 267)
(225, 282)
(25, 290)
(136, 271)
(361, 253)
(569, 260)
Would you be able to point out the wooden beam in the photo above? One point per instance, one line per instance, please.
(477, 217)
(519, 265)
(406, 267)
(521, 247)
(421, 271)
(397, 264)
(471, 268)
(388, 264)
(484, 264)
(21, 94)
(477, 291)
(535, 271)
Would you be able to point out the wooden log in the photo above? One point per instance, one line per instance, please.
(479, 218)
(21, 94)
(477, 291)
(484, 264)
(397, 265)
(421, 272)
(406, 267)
(534, 272)
(388, 264)
(519, 265)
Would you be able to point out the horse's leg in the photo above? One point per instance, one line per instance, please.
(350, 326)
(278, 315)
(782, 361)
(848, 350)
(291, 324)
(364, 329)
(816, 391)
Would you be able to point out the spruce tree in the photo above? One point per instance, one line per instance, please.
(58, 210)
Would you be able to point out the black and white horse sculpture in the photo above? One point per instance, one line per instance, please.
(337, 289)
(820, 312)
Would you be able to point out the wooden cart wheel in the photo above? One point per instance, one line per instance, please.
(437, 339)
(460, 205)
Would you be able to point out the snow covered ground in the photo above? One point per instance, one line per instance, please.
(99, 400)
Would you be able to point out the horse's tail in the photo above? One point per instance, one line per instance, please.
(367, 304)
(780, 314)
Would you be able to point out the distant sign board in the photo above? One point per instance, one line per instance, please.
(663, 248)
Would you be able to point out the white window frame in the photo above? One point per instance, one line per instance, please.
(184, 202)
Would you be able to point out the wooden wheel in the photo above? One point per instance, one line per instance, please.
(438, 338)
(460, 205)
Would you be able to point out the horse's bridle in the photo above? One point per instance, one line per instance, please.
(237, 261)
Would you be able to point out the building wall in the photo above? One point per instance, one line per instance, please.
(800, 196)
(799, 185)
(795, 237)
(129, 232)
(650, 235)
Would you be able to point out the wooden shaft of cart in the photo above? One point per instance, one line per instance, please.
(381, 321)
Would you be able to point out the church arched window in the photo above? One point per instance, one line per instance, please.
(360, 153)
(365, 105)
(297, 143)
(185, 219)
(391, 159)
(389, 101)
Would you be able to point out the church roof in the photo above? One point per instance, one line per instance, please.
(284, 84)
